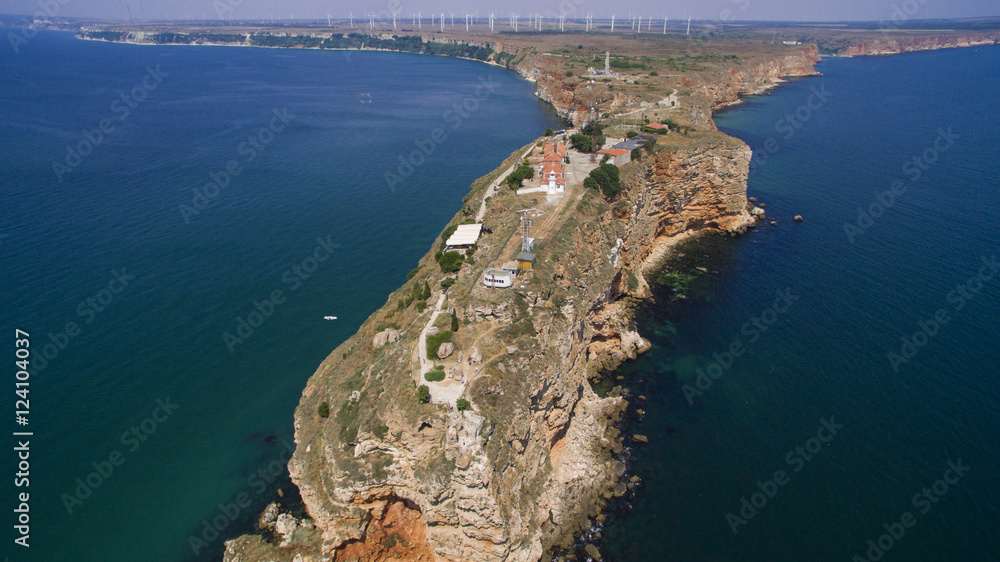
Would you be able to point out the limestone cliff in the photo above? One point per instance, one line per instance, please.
(889, 44)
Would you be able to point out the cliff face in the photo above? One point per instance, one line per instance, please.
(889, 45)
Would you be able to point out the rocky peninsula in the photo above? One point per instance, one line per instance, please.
(530, 456)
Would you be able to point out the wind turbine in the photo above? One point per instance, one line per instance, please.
(352, 18)
(612, 23)
(328, 24)
(516, 17)
(562, 21)
(649, 24)
(442, 22)
(689, 26)
(467, 22)
(453, 19)
(394, 12)
(664, 24)
(491, 22)
(639, 29)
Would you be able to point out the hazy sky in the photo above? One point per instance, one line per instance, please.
(810, 10)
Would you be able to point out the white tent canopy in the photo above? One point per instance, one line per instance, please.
(465, 235)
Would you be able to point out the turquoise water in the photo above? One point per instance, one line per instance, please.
(823, 352)
(306, 178)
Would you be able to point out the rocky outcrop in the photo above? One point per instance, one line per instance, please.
(388, 335)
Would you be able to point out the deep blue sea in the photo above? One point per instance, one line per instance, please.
(232, 190)
(860, 362)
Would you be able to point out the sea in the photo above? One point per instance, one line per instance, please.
(175, 224)
(827, 390)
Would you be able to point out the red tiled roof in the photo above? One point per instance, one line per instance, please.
(613, 151)
(656, 126)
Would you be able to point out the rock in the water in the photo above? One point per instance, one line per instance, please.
(757, 212)
(387, 335)
(268, 517)
(797, 218)
(445, 350)
(592, 552)
(640, 438)
(774, 223)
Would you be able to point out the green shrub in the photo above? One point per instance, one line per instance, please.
(423, 394)
(324, 409)
(607, 178)
(631, 134)
(421, 306)
(454, 322)
(448, 282)
(434, 376)
(435, 341)
(462, 404)
(426, 294)
(450, 262)
(654, 73)
(412, 273)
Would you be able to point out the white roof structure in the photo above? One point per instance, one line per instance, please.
(465, 235)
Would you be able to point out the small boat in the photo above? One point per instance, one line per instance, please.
(329, 318)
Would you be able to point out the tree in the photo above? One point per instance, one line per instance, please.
(454, 322)
(606, 178)
(548, 132)
(423, 394)
(324, 409)
(582, 142)
(450, 262)
(426, 294)
(462, 404)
